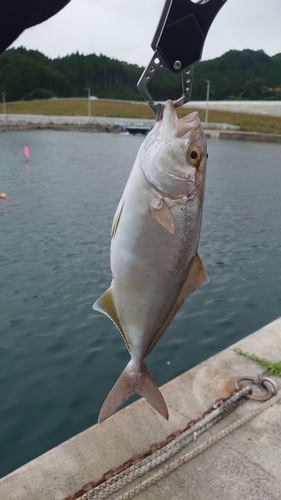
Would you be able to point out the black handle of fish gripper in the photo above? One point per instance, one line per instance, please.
(182, 30)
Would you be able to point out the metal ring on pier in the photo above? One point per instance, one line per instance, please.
(263, 382)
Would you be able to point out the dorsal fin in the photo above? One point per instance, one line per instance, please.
(162, 214)
(117, 217)
(196, 277)
(105, 304)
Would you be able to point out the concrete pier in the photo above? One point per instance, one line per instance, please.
(250, 136)
(113, 124)
(245, 464)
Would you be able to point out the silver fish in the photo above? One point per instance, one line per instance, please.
(154, 260)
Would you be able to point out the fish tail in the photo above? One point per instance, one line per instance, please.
(133, 382)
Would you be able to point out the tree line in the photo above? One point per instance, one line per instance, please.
(28, 74)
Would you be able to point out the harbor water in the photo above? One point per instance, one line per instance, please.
(59, 358)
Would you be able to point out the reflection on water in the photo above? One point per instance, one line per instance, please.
(59, 359)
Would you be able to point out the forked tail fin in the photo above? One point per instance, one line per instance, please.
(129, 383)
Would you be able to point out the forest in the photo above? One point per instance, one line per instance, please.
(28, 75)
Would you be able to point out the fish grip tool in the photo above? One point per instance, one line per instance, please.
(178, 44)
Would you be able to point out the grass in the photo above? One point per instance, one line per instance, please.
(79, 107)
(272, 368)
(126, 109)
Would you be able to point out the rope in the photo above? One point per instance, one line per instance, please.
(124, 478)
(188, 456)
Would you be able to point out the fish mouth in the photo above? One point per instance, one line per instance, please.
(183, 128)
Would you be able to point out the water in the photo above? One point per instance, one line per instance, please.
(58, 358)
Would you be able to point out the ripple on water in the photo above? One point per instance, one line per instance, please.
(58, 358)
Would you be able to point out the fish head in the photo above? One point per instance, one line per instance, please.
(174, 155)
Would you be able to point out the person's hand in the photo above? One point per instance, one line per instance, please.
(17, 15)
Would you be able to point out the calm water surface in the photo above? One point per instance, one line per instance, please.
(58, 358)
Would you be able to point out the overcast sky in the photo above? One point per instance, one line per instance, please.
(123, 29)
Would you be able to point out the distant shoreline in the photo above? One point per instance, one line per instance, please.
(113, 116)
(96, 128)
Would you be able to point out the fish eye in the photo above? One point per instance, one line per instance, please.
(194, 155)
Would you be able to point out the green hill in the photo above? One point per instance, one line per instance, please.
(245, 74)
(28, 74)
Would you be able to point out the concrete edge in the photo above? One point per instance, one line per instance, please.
(65, 469)
(250, 136)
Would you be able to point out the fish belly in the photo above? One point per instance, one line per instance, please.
(149, 264)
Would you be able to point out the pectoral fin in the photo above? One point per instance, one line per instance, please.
(162, 214)
(105, 304)
(196, 277)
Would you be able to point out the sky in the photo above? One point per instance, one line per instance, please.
(123, 29)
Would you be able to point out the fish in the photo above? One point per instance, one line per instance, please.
(154, 248)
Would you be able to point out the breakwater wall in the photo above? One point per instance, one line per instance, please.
(16, 119)
(113, 124)
(250, 136)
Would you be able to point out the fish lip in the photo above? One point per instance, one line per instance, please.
(160, 113)
(169, 111)
(189, 126)
(190, 117)
(182, 128)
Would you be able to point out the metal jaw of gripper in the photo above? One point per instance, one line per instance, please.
(178, 44)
